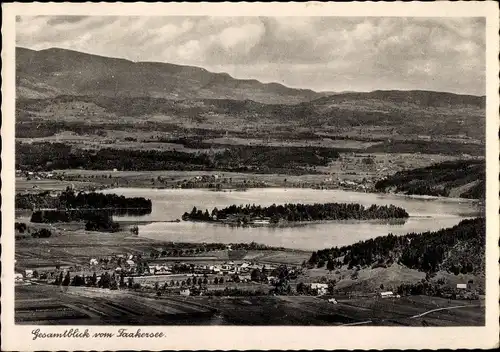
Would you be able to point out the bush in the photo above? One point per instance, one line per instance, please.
(20, 226)
(42, 233)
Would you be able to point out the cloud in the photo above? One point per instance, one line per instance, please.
(322, 53)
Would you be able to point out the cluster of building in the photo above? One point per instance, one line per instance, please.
(37, 175)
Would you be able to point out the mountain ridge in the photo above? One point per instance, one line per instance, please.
(100, 75)
(54, 60)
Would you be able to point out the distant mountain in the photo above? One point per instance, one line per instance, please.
(62, 85)
(52, 72)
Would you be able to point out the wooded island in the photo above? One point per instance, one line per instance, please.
(256, 214)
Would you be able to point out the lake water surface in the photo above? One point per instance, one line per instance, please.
(426, 214)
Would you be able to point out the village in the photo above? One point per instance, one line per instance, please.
(170, 275)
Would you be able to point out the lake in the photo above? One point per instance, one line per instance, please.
(426, 214)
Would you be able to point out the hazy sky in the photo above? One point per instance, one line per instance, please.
(321, 53)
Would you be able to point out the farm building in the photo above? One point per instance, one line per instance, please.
(245, 278)
(185, 292)
(386, 294)
(28, 273)
(322, 288)
(18, 277)
(462, 286)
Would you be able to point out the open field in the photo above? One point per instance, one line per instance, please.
(78, 306)
(84, 306)
(306, 310)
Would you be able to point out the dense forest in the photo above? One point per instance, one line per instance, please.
(257, 159)
(91, 200)
(459, 249)
(439, 179)
(297, 212)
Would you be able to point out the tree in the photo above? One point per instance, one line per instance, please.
(255, 275)
(93, 280)
(60, 278)
(331, 286)
(67, 279)
(330, 265)
(216, 281)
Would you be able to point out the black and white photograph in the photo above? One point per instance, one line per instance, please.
(250, 170)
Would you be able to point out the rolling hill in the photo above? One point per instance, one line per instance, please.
(52, 72)
(61, 85)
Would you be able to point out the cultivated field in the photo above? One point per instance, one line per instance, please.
(306, 310)
(49, 305)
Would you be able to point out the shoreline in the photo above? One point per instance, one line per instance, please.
(399, 195)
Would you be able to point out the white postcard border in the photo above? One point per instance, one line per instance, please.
(17, 337)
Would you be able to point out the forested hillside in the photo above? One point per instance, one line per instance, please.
(463, 178)
(459, 249)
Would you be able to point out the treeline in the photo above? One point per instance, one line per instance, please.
(427, 147)
(438, 289)
(96, 220)
(22, 229)
(188, 249)
(459, 249)
(70, 200)
(439, 179)
(255, 159)
(50, 156)
(262, 159)
(298, 212)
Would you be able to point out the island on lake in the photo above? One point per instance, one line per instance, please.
(293, 213)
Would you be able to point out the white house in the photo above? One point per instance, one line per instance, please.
(322, 288)
(185, 292)
(93, 261)
(18, 277)
(386, 294)
(333, 300)
(462, 286)
(28, 273)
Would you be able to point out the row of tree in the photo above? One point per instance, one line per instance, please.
(447, 249)
(299, 212)
(68, 199)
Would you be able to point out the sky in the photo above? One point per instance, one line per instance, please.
(320, 53)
